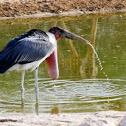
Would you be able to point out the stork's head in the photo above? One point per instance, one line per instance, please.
(52, 59)
(61, 33)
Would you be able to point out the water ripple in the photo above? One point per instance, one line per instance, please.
(70, 96)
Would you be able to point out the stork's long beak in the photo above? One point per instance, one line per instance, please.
(69, 35)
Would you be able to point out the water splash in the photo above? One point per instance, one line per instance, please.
(100, 64)
(101, 67)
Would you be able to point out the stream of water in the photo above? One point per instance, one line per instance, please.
(97, 57)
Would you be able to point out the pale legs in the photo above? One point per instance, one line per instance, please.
(37, 91)
(22, 91)
(36, 84)
(22, 85)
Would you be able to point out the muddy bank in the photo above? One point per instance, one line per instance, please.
(13, 8)
(107, 118)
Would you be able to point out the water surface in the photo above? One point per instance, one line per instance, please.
(82, 85)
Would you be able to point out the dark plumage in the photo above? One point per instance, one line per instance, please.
(26, 48)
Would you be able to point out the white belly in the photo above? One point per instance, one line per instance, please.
(27, 66)
(32, 65)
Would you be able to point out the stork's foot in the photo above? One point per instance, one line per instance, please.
(22, 106)
(37, 106)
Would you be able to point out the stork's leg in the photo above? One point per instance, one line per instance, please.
(36, 84)
(22, 85)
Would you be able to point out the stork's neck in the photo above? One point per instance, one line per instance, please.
(52, 37)
(57, 37)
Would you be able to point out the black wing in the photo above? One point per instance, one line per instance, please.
(31, 46)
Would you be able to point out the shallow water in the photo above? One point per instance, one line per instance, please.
(82, 85)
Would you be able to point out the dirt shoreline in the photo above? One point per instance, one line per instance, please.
(48, 8)
(105, 118)
(68, 13)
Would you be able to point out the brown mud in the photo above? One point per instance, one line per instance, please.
(13, 8)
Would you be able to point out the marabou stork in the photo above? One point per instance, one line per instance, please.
(30, 49)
